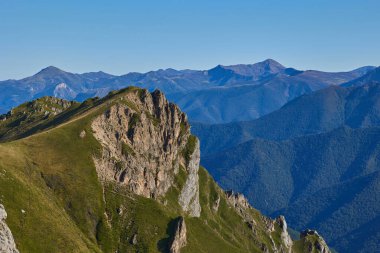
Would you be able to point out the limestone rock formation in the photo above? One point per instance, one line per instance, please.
(189, 197)
(285, 237)
(142, 136)
(215, 206)
(314, 242)
(82, 134)
(237, 199)
(7, 243)
(241, 205)
(180, 239)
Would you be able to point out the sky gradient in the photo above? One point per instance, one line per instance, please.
(121, 36)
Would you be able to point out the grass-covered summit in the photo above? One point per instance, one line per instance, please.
(121, 174)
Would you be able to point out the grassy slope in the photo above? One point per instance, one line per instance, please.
(52, 177)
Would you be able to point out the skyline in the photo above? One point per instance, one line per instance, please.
(183, 69)
(126, 36)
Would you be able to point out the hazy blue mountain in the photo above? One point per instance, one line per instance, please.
(318, 112)
(372, 76)
(251, 99)
(218, 95)
(49, 81)
(328, 181)
(347, 212)
(243, 73)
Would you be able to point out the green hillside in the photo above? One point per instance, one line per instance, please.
(56, 202)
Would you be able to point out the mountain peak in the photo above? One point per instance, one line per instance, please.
(50, 70)
(272, 63)
(257, 70)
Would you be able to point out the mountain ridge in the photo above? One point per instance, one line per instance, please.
(277, 83)
(321, 111)
(90, 180)
(308, 179)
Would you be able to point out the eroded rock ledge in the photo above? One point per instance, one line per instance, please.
(7, 242)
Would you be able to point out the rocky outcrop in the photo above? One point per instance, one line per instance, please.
(242, 206)
(313, 242)
(42, 106)
(215, 206)
(240, 203)
(7, 243)
(48, 106)
(142, 136)
(179, 240)
(189, 196)
(238, 200)
(285, 237)
(82, 134)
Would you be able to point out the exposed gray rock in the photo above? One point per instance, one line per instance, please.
(215, 206)
(7, 243)
(237, 200)
(189, 196)
(242, 207)
(82, 134)
(3, 213)
(179, 240)
(141, 135)
(314, 242)
(134, 239)
(285, 237)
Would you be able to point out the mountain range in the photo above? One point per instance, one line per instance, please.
(323, 181)
(208, 96)
(121, 174)
(318, 112)
(300, 143)
(317, 157)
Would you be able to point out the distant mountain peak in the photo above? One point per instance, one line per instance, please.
(50, 70)
(270, 61)
(270, 64)
(256, 71)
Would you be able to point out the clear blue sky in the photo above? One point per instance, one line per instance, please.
(120, 36)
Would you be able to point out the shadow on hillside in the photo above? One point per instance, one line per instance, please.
(163, 245)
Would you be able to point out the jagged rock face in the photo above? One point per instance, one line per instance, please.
(237, 200)
(314, 242)
(240, 203)
(7, 243)
(189, 196)
(242, 206)
(180, 239)
(285, 237)
(142, 136)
